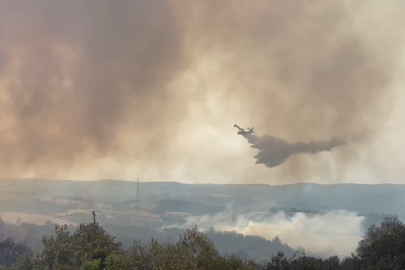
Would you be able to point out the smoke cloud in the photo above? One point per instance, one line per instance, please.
(117, 89)
(329, 234)
(274, 151)
(79, 78)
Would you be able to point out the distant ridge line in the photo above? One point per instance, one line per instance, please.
(201, 184)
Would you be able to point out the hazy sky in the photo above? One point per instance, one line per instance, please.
(130, 88)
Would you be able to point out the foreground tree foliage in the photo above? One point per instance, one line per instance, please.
(10, 252)
(72, 251)
(90, 247)
(383, 246)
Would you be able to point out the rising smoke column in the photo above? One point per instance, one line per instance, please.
(274, 151)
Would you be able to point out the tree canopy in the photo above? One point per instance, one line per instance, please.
(90, 247)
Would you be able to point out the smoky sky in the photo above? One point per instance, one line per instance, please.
(76, 73)
(274, 151)
(84, 80)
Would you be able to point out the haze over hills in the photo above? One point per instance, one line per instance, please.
(97, 89)
(323, 219)
(379, 198)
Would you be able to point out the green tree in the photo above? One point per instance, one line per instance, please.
(92, 265)
(71, 251)
(193, 251)
(383, 246)
(117, 262)
(303, 262)
(307, 263)
(199, 247)
(331, 263)
(11, 251)
(348, 263)
(278, 262)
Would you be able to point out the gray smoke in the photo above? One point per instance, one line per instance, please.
(274, 151)
(79, 78)
(84, 83)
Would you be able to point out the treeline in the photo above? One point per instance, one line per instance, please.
(225, 242)
(90, 247)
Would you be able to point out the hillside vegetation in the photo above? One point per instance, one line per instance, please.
(90, 247)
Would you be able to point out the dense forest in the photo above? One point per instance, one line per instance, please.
(91, 247)
(245, 246)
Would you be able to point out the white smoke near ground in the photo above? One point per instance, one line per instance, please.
(332, 233)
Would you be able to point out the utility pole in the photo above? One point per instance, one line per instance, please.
(94, 217)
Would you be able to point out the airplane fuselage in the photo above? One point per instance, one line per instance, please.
(242, 131)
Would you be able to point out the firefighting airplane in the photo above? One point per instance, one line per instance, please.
(244, 132)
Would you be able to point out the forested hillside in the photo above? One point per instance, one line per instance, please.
(90, 247)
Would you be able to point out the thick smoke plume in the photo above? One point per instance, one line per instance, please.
(332, 233)
(274, 151)
(108, 86)
(84, 80)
